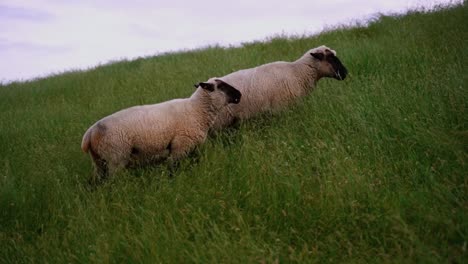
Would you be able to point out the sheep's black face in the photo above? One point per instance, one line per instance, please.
(330, 65)
(233, 95)
(338, 67)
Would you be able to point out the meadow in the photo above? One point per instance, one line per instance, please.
(369, 169)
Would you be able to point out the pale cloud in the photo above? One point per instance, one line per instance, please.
(49, 36)
(20, 13)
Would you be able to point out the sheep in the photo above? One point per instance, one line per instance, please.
(153, 133)
(275, 85)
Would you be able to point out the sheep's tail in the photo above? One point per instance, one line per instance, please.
(90, 142)
(86, 142)
(92, 137)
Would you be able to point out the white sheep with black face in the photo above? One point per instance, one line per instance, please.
(275, 85)
(153, 133)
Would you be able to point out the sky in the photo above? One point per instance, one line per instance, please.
(43, 37)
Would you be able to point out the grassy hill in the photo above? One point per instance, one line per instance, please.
(371, 169)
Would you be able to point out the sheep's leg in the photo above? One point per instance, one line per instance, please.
(100, 168)
(194, 156)
(225, 119)
(179, 148)
(114, 168)
(173, 165)
(100, 172)
(118, 161)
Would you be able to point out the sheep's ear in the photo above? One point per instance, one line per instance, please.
(206, 86)
(318, 55)
(222, 84)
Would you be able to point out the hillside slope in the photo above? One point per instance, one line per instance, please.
(371, 169)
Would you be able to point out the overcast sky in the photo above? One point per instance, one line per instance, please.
(40, 37)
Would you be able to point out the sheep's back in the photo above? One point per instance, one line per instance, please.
(147, 128)
(264, 88)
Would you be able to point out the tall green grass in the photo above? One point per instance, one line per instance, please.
(371, 169)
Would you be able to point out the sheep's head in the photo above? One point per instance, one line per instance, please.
(221, 91)
(328, 63)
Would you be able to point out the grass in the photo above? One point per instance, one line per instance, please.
(371, 169)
